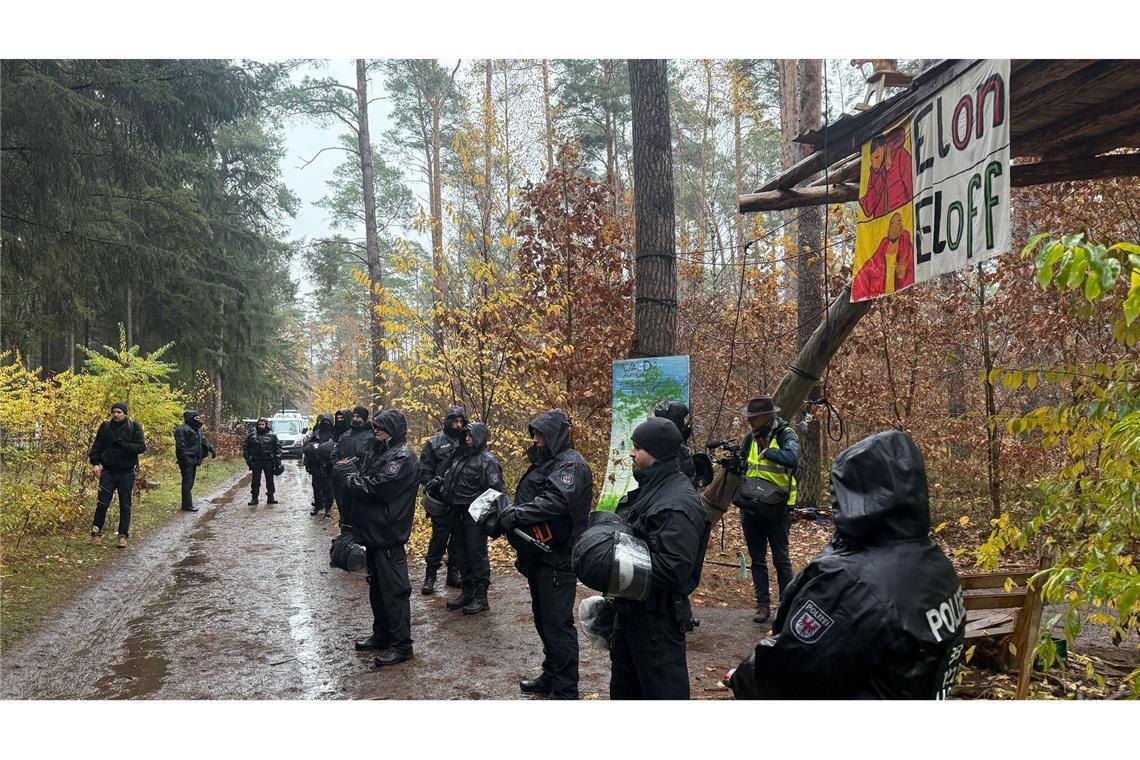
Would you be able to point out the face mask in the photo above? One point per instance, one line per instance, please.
(537, 454)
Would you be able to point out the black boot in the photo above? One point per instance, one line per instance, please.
(315, 510)
(453, 579)
(429, 582)
(252, 500)
(466, 597)
(394, 656)
(540, 685)
(271, 500)
(372, 642)
(479, 603)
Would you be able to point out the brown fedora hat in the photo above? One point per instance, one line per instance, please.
(758, 405)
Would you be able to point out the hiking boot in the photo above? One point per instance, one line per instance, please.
(478, 604)
(252, 500)
(315, 510)
(271, 500)
(394, 656)
(192, 508)
(122, 542)
(763, 612)
(461, 601)
(96, 536)
(453, 579)
(429, 581)
(540, 685)
(372, 642)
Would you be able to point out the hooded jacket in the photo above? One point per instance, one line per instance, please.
(438, 449)
(384, 486)
(473, 469)
(353, 441)
(666, 513)
(341, 422)
(878, 614)
(117, 445)
(311, 452)
(557, 489)
(261, 446)
(190, 445)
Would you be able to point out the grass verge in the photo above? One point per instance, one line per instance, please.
(46, 571)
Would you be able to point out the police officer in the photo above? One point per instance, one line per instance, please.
(262, 453)
(678, 414)
(647, 652)
(190, 450)
(318, 469)
(434, 459)
(551, 503)
(348, 447)
(472, 471)
(383, 490)
(878, 613)
(769, 455)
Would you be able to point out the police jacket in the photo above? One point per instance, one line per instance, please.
(117, 445)
(666, 513)
(878, 613)
(310, 453)
(685, 463)
(352, 442)
(190, 445)
(556, 491)
(472, 471)
(438, 449)
(261, 447)
(341, 422)
(383, 487)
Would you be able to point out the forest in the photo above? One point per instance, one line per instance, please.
(484, 253)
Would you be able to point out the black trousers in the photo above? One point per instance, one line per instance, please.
(109, 482)
(760, 531)
(389, 593)
(442, 539)
(255, 482)
(189, 472)
(552, 602)
(322, 490)
(469, 550)
(647, 654)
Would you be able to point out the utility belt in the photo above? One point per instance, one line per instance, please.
(674, 608)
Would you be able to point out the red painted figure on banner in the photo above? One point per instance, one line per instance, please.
(890, 268)
(889, 183)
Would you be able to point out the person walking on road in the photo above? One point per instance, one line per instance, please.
(190, 449)
(383, 490)
(115, 456)
(262, 452)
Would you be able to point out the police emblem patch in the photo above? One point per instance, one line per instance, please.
(494, 479)
(392, 468)
(810, 623)
(567, 478)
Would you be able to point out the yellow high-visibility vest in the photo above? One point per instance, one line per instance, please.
(766, 469)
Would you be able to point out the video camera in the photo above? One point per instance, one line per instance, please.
(729, 455)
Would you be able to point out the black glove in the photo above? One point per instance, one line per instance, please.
(431, 484)
(508, 519)
(249, 464)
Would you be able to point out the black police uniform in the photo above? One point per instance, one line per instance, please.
(262, 452)
(551, 502)
(318, 470)
(647, 651)
(350, 445)
(472, 471)
(878, 613)
(190, 449)
(434, 460)
(383, 493)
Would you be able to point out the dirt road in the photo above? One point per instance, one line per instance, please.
(239, 602)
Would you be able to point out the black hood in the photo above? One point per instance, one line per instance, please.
(188, 417)
(325, 419)
(554, 426)
(675, 412)
(879, 490)
(452, 413)
(479, 435)
(393, 423)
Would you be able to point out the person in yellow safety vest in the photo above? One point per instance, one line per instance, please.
(769, 456)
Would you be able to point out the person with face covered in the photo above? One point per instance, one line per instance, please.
(345, 453)
(318, 469)
(383, 489)
(114, 457)
(878, 614)
(678, 414)
(434, 460)
(472, 471)
(551, 503)
(190, 449)
(262, 453)
(647, 650)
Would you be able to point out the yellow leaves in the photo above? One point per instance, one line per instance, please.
(964, 520)
(940, 527)
(1008, 585)
(1012, 379)
(970, 653)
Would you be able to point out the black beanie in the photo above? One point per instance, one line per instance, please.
(659, 437)
(362, 412)
(119, 405)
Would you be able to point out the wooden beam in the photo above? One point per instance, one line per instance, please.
(794, 173)
(972, 581)
(1047, 96)
(844, 171)
(1128, 136)
(842, 316)
(1123, 110)
(1102, 167)
(995, 600)
(807, 196)
(1038, 74)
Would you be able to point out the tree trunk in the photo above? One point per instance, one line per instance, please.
(809, 273)
(371, 241)
(738, 157)
(435, 193)
(993, 433)
(788, 130)
(655, 310)
(546, 112)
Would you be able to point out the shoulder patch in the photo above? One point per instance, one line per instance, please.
(567, 478)
(810, 623)
(392, 468)
(493, 479)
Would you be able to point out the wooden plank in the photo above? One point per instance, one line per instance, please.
(1128, 136)
(1037, 74)
(972, 581)
(1046, 97)
(1028, 626)
(845, 171)
(985, 633)
(775, 200)
(1105, 117)
(793, 174)
(1101, 167)
(995, 600)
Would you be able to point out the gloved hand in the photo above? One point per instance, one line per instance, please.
(508, 519)
(434, 483)
(213, 454)
(249, 465)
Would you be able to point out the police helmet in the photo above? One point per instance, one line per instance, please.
(703, 469)
(610, 559)
(433, 504)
